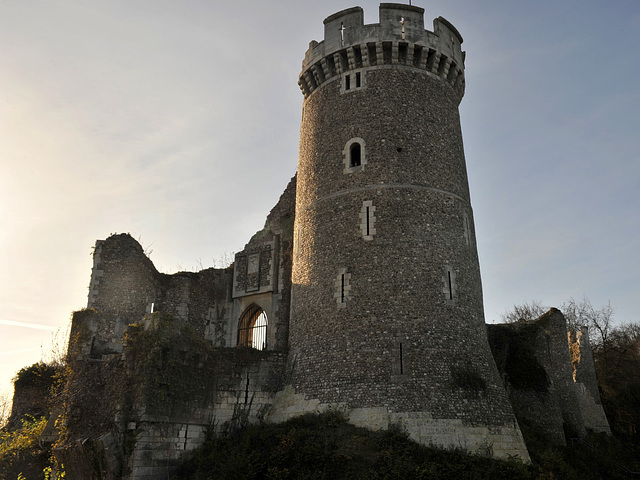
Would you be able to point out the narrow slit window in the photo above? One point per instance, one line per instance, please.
(368, 222)
(467, 229)
(347, 82)
(450, 287)
(342, 292)
(401, 361)
(358, 77)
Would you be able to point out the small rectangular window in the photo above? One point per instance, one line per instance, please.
(347, 82)
(357, 79)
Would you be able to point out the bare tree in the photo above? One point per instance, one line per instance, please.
(583, 314)
(524, 312)
(5, 409)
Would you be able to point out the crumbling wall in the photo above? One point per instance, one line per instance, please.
(32, 391)
(239, 391)
(587, 383)
(123, 278)
(561, 371)
(169, 388)
(125, 286)
(535, 361)
(149, 374)
(518, 350)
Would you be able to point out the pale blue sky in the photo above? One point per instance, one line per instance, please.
(178, 122)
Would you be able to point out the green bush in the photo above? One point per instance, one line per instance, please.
(327, 447)
(21, 452)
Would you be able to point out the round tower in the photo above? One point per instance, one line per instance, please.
(386, 314)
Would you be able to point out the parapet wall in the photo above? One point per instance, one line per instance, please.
(398, 39)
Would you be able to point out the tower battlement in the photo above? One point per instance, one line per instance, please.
(398, 39)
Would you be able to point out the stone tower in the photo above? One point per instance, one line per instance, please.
(386, 313)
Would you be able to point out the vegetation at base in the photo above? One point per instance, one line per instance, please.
(325, 446)
(21, 452)
(598, 456)
(165, 361)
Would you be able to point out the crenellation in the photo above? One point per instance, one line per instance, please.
(400, 26)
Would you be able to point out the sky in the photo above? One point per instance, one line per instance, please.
(178, 122)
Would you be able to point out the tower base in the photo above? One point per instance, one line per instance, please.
(502, 442)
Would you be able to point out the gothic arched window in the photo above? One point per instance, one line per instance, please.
(252, 328)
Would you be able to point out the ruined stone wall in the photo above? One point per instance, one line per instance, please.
(535, 360)
(125, 286)
(33, 388)
(522, 356)
(561, 372)
(241, 393)
(587, 384)
(150, 376)
(123, 279)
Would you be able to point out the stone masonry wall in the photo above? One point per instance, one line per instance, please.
(401, 306)
(587, 384)
(561, 371)
(240, 394)
(563, 408)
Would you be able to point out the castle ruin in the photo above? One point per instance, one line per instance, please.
(362, 292)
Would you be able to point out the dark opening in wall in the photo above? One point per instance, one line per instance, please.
(372, 54)
(387, 53)
(442, 65)
(431, 59)
(355, 155)
(344, 60)
(347, 82)
(357, 56)
(417, 55)
(402, 53)
(331, 65)
(368, 221)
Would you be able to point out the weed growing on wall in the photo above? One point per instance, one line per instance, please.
(21, 451)
(175, 369)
